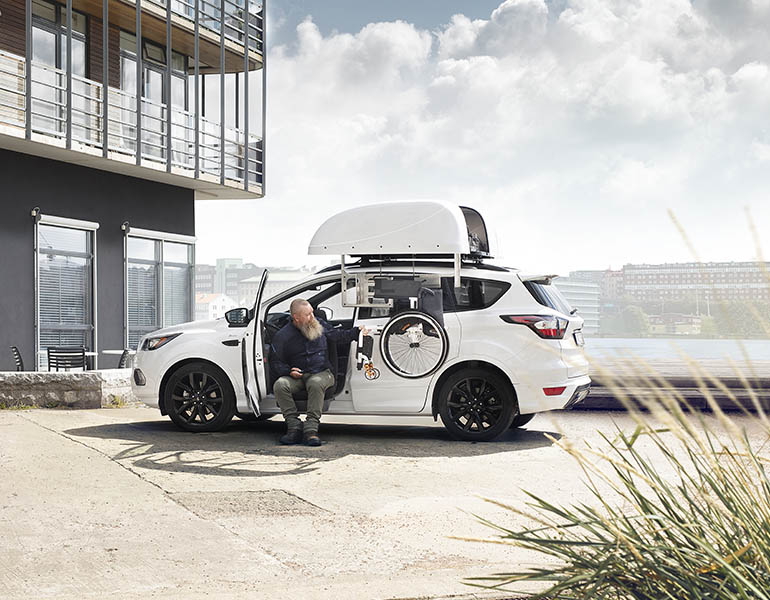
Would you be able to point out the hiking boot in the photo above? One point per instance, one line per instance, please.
(293, 436)
(312, 439)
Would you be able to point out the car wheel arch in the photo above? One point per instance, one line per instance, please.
(468, 364)
(177, 365)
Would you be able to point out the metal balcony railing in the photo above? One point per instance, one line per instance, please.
(48, 116)
(209, 16)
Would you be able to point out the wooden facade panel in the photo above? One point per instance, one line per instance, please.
(13, 37)
(12, 32)
(95, 52)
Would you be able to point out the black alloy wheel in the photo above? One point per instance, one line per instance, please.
(199, 397)
(476, 405)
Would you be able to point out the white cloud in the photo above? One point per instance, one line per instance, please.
(574, 130)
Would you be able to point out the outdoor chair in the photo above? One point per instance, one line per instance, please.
(123, 362)
(66, 357)
(17, 358)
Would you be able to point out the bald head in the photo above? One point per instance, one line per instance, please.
(304, 319)
(299, 305)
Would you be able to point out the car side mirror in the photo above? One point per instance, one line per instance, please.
(237, 317)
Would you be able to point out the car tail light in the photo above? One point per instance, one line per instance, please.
(548, 327)
(554, 391)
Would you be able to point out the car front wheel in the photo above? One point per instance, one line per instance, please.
(476, 405)
(199, 397)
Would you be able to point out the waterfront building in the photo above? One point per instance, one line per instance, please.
(698, 283)
(583, 295)
(610, 282)
(115, 116)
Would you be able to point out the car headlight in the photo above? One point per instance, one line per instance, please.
(153, 343)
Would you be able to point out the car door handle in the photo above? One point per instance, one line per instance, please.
(231, 342)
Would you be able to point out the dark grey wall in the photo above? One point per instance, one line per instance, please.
(66, 190)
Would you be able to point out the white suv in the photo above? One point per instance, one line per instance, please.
(485, 355)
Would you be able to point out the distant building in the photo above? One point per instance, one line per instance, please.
(204, 279)
(225, 277)
(675, 324)
(278, 280)
(212, 306)
(230, 274)
(700, 283)
(583, 295)
(610, 282)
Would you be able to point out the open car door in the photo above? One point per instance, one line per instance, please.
(253, 355)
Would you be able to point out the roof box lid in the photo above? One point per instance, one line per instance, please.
(392, 228)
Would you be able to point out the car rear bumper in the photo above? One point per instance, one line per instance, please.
(580, 394)
(532, 399)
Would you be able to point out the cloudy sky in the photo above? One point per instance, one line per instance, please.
(574, 126)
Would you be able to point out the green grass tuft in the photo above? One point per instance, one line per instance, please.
(680, 510)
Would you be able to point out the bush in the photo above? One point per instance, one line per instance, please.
(681, 511)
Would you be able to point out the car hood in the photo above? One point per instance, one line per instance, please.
(198, 327)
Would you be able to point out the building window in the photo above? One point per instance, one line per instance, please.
(158, 284)
(154, 69)
(156, 96)
(65, 285)
(49, 63)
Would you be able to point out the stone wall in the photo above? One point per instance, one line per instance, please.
(89, 389)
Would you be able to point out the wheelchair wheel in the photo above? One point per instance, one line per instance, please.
(413, 344)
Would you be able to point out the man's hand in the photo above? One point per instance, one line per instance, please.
(365, 330)
(296, 372)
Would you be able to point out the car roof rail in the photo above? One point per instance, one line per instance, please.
(417, 261)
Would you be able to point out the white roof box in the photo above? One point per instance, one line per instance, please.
(403, 228)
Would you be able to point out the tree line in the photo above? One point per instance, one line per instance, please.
(721, 319)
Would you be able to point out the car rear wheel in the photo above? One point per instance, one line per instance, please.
(521, 420)
(199, 397)
(476, 405)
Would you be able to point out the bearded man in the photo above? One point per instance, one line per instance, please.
(301, 359)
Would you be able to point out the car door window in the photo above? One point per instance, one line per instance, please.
(326, 295)
(473, 294)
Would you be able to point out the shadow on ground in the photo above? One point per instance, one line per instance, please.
(252, 450)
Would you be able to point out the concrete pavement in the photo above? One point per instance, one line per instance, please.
(120, 502)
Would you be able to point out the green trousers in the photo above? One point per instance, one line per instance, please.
(316, 386)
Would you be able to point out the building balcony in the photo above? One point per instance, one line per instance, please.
(214, 17)
(177, 148)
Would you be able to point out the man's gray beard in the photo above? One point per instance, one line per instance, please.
(312, 330)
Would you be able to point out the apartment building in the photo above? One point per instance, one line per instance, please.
(700, 283)
(115, 116)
